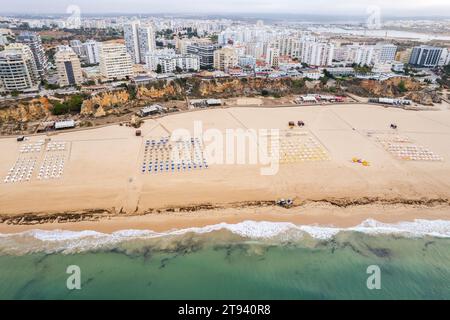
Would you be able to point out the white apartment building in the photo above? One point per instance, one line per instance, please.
(273, 57)
(385, 52)
(445, 57)
(247, 61)
(340, 53)
(425, 56)
(317, 53)
(18, 70)
(4, 34)
(312, 74)
(3, 40)
(366, 54)
(225, 58)
(188, 62)
(288, 46)
(77, 47)
(169, 61)
(90, 49)
(254, 49)
(167, 64)
(239, 49)
(147, 41)
(130, 31)
(115, 61)
(68, 67)
(205, 52)
(398, 66)
(240, 35)
(361, 54)
(182, 45)
(33, 40)
(139, 40)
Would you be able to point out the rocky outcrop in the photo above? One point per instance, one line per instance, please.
(103, 104)
(169, 90)
(393, 87)
(424, 97)
(225, 88)
(25, 111)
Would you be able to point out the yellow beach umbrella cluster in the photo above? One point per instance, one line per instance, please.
(300, 148)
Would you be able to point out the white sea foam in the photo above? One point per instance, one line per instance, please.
(72, 241)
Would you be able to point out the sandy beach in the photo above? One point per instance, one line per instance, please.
(102, 171)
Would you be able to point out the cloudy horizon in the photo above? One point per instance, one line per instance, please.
(318, 7)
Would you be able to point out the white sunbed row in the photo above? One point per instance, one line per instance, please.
(22, 170)
(56, 146)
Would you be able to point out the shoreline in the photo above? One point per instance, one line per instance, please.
(320, 213)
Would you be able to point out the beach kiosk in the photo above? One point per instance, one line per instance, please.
(64, 124)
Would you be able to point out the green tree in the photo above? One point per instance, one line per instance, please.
(132, 91)
(324, 80)
(89, 83)
(402, 87)
(298, 83)
(328, 74)
(50, 86)
(159, 69)
(214, 38)
(447, 69)
(74, 103)
(59, 109)
(362, 69)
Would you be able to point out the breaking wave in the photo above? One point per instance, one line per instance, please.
(68, 242)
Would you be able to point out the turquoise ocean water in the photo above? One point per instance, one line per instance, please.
(244, 261)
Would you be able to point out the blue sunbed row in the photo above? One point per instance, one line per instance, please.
(173, 168)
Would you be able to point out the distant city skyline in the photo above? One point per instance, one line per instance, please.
(318, 7)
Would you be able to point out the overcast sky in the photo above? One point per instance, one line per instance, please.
(328, 7)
